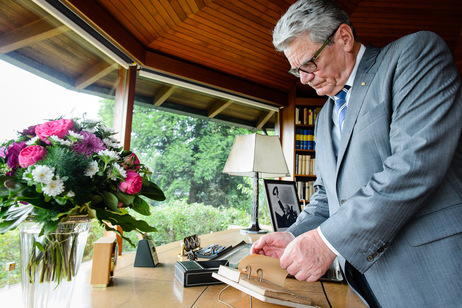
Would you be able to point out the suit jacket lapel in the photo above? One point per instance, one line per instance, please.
(361, 84)
(325, 133)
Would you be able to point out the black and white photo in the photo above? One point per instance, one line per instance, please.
(283, 203)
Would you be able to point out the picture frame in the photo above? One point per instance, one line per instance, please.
(283, 203)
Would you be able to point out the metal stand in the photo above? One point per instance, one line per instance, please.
(254, 227)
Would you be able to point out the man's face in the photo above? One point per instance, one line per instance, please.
(329, 77)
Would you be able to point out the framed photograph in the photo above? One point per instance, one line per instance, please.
(283, 203)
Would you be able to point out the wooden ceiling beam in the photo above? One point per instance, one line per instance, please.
(163, 96)
(218, 107)
(33, 32)
(123, 105)
(200, 74)
(96, 72)
(264, 118)
(104, 23)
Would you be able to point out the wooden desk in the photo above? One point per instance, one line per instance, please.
(135, 287)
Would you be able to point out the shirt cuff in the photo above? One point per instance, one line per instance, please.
(326, 241)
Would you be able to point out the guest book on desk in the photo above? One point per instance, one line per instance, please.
(262, 277)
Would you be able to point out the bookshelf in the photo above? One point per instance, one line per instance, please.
(299, 144)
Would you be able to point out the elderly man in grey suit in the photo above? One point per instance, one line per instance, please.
(389, 162)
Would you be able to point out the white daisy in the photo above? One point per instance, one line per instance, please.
(75, 135)
(32, 141)
(107, 129)
(43, 174)
(60, 141)
(70, 194)
(92, 169)
(110, 142)
(108, 153)
(90, 130)
(54, 188)
(120, 170)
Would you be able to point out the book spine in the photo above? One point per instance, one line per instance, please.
(297, 164)
(310, 139)
(298, 138)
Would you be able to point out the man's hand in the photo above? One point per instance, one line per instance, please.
(307, 257)
(272, 244)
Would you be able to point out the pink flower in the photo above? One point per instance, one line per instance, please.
(2, 152)
(31, 154)
(12, 154)
(59, 128)
(89, 145)
(132, 184)
(131, 162)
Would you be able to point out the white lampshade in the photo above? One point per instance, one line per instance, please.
(256, 153)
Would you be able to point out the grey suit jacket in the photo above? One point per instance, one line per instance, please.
(390, 202)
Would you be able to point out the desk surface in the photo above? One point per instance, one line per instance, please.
(157, 287)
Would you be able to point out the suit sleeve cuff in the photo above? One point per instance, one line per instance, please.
(326, 241)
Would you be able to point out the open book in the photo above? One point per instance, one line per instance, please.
(262, 277)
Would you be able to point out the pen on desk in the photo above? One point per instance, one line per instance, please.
(221, 249)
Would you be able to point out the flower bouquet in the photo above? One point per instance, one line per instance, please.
(65, 168)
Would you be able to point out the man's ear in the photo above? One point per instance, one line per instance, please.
(345, 37)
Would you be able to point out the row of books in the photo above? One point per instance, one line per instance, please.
(306, 115)
(304, 139)
(305, 165)
(305, 190)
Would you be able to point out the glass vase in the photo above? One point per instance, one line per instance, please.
(50, 263)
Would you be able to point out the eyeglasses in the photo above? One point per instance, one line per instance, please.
(310, 66)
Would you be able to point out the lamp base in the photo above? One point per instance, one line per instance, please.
(253, 231)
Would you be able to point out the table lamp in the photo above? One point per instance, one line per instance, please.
(257, 156)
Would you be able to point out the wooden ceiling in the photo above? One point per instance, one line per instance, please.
(218, 45)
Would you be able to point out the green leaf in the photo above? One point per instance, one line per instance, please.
(125, 221)
(110, 229)
(14, 217)
(141, 206)
(152, 191)
(18, 212)
(50, 226)
(110, 200)
(10, 184)
(95, 199)
(6, 226)
(3, 210)
(125, 198)
(4, 192)
(39, 246)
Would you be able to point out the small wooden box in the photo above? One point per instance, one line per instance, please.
(104, 259)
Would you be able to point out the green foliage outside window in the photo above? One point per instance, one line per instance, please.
(187, 155)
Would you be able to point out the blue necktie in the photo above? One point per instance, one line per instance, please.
(341, 105)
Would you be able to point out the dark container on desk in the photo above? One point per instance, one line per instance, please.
(197, 273)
